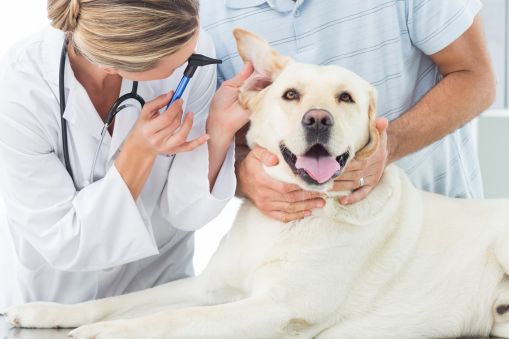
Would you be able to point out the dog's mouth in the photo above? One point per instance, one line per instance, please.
(317, 166)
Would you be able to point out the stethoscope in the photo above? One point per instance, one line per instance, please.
(194, 62)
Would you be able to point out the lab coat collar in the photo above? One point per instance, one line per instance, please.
(283, 6)
(78, 106)
(81, 112)
(51, 50)
(79, 109)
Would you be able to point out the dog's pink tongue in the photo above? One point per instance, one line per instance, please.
(321, 169)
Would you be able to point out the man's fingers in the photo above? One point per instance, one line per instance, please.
(350, 175)
(381, 124)
(356, 165)
(288, 217)
(356, 195)
(297, 207)
(301, 195)
(345, 185)
(266, 157)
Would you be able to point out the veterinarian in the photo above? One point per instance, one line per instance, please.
(72, 239)
(427, 60)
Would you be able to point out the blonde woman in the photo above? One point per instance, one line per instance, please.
(73, 235)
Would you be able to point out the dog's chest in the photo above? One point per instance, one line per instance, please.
(312, 243)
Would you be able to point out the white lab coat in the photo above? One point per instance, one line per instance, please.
(69, 244)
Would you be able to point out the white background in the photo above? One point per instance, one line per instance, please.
(20, 18)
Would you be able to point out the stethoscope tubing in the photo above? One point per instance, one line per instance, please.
(63, 122)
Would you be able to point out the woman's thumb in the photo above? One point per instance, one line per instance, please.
(239, 79)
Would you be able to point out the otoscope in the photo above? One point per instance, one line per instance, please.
(195, 61)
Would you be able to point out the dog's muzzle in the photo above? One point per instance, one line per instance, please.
(316, 166)
(317, 124)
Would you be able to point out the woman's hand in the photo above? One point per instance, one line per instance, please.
(163, 133)
(225, 118)
(226, 115)
(154, 133)
(370, 170)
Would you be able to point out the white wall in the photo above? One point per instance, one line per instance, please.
(494, 124)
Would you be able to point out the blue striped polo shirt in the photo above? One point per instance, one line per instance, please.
(388, 42)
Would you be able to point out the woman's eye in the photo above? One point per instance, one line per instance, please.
(345, 97)
(291, 94)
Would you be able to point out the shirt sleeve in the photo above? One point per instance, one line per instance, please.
(187, 201)
(98, 227)
(435, 24)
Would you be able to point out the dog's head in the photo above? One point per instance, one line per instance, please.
(314, 118)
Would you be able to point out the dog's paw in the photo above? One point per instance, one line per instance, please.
(103, 330)
(40, 315)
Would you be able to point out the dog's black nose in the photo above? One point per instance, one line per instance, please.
(317, 120)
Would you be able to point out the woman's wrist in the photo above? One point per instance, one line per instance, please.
(221, 134)
(134, 164)
(138, 146)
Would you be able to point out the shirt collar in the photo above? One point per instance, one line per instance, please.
(278, 5)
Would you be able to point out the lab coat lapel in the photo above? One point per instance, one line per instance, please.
(79, 110)
(124, 120)
(81, 113)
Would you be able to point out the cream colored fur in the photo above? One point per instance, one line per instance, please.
(400, 264)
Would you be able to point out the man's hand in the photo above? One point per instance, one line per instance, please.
(370, 170)
(278, 200)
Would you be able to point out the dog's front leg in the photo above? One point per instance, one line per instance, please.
(180, 293)
(258, 317)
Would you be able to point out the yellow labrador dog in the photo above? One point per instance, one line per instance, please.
(400, 264)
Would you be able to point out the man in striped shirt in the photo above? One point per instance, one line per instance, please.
(427, 60)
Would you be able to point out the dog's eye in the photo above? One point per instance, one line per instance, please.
(345, 97)
(291, 94)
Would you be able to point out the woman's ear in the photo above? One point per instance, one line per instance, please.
(374, 136)
(267, 64)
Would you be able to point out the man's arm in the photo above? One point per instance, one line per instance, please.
(468, 88)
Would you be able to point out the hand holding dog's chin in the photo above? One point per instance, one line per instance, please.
(370, 169)
(277, 200)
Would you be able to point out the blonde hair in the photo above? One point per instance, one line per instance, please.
(131, 35)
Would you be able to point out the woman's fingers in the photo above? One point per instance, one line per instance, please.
(162, 121)
(191, 145)
(179, 136)
(239, 79)
(156, 105)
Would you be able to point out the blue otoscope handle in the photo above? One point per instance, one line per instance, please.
(179, 91)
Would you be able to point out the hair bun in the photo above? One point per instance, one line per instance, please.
(64, 14)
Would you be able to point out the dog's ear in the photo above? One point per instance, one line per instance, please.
(267, 63)
(374, 136)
